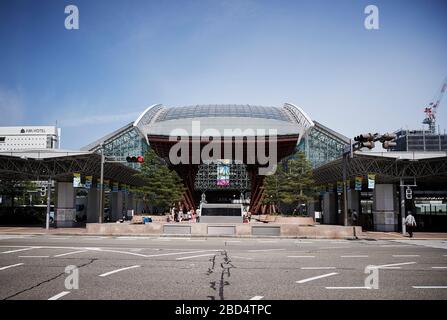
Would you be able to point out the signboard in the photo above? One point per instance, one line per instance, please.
(77, 180)
(106, 184)
(348, 185)
(339, 186)
(115, 187)
(330, 187)
(371, 180)
(223, 173)
(88, 182)
(358, 183)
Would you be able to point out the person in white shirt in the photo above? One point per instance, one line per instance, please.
(410, 223)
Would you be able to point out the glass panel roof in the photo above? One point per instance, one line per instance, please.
(222, 111)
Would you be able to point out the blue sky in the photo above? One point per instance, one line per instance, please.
(128, 55)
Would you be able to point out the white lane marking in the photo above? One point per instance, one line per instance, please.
(267, 241)
(200, 255)
(11, 266)
(176, 253)
(353, 256)
(117, 251)
(265, 250)
(317, 277)
(347, 288)
(18, 250)
(59, 295)
(317, 268)
(232, 241)
(430, 287)
(196, 240)
(300, 256)
(394, 245)
(241, 257)
(257, 298)
(118, 270)
(299, 242)
(69, 253)
(439, 267)
(333, 247)
(7, 237)
(405, 255)
(34, 256)
(392, 265)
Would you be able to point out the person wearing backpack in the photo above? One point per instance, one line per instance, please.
(410, 223)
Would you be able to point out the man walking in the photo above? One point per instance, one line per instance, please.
(410, 223)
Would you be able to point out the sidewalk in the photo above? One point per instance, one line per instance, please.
(368, 235)
(376, 235)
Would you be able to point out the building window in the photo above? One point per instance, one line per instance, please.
(2, 139)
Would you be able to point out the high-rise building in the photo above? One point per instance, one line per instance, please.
(29, 138)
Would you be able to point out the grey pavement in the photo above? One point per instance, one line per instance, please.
(182, 268)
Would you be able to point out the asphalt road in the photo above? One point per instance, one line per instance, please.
(33, 267)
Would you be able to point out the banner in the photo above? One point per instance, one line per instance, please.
(77, 180)
(223, 173)
(330, 187)
(358, 183)
(106, 184)
(348, 185)
(371, 180)
(339, 186)
(88, 182)
(115, 187)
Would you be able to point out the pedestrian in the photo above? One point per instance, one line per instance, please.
(354, 217)
(410, 223)
(175, 215)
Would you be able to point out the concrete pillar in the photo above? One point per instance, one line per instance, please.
(354, 204)
(93, 205)
(330, 212)
(116, 206)
(385, 207)
(66, 206)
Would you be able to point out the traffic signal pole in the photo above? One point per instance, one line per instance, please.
(47, 222)
(101, 187)
(402, 206)
(345, 196)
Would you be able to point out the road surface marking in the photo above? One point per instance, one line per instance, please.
(58, 238)
(393, 265)
(267, 241)
(317, 268)
(176, 253)
(333, 247)
(298, 242)
(241, 257)
(11, 266)
(69, 253)
(430, 287)
(347, 288)
(59, 295)
(300, 256)
(359, 256)
(265, 250)
(317, 277)
(196, 240)
(118, 270)
(116, 251)
(232, 241)
(257, 298)
(439, 267)
(34, 256)
(405, 255)
(18, 250)
(200, 255)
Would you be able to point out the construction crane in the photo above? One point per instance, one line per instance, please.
(430, 110)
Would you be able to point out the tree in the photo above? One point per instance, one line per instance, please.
(163, 187)
(291, 186)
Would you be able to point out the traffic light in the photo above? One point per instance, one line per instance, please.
(135, 159)
(366, 140)
(388, 140)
